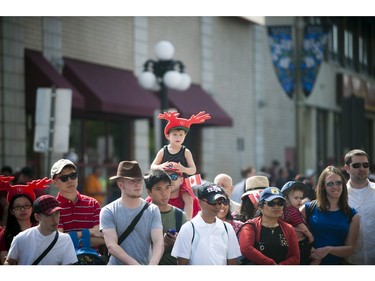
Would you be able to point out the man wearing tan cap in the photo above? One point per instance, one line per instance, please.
(79, 212)
(145, 243)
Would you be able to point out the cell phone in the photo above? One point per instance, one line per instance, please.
(171, 231)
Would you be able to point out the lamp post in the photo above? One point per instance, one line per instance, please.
(162, 74)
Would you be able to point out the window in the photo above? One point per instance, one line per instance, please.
(333, 43)
(348, 47)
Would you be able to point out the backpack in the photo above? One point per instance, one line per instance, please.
(85, 254)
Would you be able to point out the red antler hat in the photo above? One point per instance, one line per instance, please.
(175, 122)
(27, 189)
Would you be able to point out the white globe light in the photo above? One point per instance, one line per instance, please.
(164, 50)
(185, 82)
(147, 80)
(172, 79)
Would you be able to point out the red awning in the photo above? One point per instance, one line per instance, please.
(110, 90)
(194, 100)
(39, 73)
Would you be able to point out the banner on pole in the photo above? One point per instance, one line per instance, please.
(313, 47)
(282, 53)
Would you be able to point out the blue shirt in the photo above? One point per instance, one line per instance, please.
(329, 228)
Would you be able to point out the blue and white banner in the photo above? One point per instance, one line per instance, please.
(313, 46)
(282, 53)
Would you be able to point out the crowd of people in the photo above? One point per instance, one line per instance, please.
(296, 222)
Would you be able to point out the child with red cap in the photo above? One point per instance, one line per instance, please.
(175, 155)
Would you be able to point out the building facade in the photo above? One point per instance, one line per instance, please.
(228, 58)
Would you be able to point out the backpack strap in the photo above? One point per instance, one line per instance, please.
(192, 239)
(178, 218)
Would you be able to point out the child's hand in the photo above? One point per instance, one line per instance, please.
(180, 168)
(167, 165)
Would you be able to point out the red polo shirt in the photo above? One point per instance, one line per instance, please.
(83, 214)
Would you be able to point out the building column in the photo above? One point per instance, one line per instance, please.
(12, 94)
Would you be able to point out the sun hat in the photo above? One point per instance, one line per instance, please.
(128, 170)
(254, 184)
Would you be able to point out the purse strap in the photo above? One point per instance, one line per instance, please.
(130, 228)
(47, 250)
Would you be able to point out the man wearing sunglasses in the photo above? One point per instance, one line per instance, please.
(78, 211)
(207, 240)
(361, 194)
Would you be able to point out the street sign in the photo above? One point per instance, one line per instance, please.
(52, 120)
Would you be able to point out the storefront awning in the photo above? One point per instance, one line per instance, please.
(194, 100)
(39, 73)
(110, 90)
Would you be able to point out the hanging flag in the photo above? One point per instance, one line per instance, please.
(193, 180)
(281, 44)
(313, 47)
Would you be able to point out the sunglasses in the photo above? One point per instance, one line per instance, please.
(358, 165)
(174, 176)
(274, 203)
(224, 202)
(332, 184)
(20, 207)
(65, 178)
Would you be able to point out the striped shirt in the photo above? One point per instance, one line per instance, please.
(83, 214)
(292, 216)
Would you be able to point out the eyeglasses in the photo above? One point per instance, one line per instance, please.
(20, 207)
(274, 203)
(65, 178)
(224, 202)
(174, 176)
(331, 183)
(358, 165)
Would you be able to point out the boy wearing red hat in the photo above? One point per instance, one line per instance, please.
(175, 155)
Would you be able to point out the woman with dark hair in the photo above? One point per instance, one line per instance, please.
(19, 216)
(267, 239)
(333, 223)
(225, 214)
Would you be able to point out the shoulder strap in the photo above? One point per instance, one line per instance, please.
(178, 218)
(239, 230)
(310, 209)
(226, 229)
(47, 250)
(192, 239)
(132, 224)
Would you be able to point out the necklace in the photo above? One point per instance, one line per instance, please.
(271, 228)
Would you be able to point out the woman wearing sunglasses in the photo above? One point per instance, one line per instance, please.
(333, 223)
(267, 239)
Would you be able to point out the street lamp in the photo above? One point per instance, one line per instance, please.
(163, 74)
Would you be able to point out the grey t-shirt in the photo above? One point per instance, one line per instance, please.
(138, 243)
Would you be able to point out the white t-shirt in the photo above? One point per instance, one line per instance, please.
(212, 244)
(29, 244)
(363, 200)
